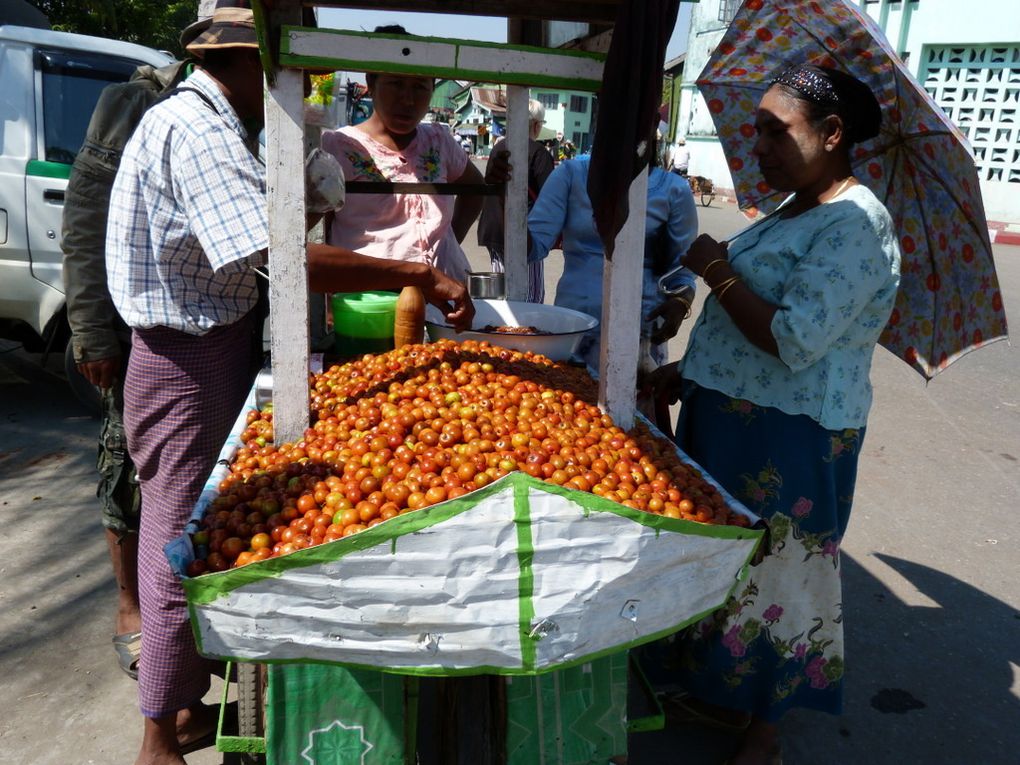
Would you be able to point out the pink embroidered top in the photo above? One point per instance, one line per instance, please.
(413, 227)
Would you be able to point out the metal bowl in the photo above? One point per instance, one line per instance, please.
(565, 327)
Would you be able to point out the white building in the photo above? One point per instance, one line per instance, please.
(966, 57)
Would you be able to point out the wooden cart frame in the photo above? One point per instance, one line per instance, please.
(288, 49)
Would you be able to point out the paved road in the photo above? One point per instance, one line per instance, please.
(931, 562)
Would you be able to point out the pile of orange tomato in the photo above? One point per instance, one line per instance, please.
(400, 431)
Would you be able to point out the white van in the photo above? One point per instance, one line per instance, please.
(49, 85)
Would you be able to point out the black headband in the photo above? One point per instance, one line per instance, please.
(808, 83)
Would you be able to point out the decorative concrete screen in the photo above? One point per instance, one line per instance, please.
(979, 88)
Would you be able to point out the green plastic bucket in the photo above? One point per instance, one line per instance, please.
(363, 322)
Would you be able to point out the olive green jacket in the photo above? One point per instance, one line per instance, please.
(96, 329)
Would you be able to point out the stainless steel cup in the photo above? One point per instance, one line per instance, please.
(486, 284)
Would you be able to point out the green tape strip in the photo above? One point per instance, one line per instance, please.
(42, 169)
(261, 34)
(210, 587)
(602, 505)
(207, 588)
(526, 577)
(453, 73)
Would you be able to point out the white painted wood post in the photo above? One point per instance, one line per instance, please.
(515, 215)
(621, 312)
(288, 263)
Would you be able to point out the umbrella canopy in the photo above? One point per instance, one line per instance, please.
(920, 165)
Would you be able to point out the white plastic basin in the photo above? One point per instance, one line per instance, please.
(565, 327)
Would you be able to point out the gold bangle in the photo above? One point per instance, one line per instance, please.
(725, 287)
(687, 305)
(724, 283)
(704, 272)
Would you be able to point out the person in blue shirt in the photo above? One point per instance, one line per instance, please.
(671, 225)
(775, 396)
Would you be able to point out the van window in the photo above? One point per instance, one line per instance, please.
(71, 84)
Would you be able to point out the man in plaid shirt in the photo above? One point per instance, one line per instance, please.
(187, 227)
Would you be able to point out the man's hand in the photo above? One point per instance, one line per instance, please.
(673, 310)
(101, 372)
(499, 169)
(451, 297)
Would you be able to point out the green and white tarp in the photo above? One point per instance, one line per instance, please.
(518, 578)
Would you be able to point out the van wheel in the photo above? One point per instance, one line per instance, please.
(83, 390)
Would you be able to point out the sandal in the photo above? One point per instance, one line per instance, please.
(683, 709)
(129, 648)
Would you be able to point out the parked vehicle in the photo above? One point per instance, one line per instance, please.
(49, 85)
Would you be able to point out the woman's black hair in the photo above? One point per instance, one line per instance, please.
(386, 29)
(826, 92)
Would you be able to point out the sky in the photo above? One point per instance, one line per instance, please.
(486, 28)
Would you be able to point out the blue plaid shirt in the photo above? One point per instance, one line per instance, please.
(188, 217)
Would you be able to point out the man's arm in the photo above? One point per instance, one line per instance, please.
(337, 269)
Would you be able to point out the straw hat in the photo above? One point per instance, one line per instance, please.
(232, 26)
(203, 19)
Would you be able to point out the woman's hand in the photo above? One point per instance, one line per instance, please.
(451, 297)
(664, 381)
(703, 252)
(498, 169)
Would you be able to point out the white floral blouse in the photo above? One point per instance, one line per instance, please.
(833, 271)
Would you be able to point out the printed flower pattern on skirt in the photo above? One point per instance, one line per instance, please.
(778, 643)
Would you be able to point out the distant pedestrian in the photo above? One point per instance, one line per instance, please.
(490, 226)
(680, 157)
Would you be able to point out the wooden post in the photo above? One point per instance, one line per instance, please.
(288, 262)
(621, 312)
(515, 214)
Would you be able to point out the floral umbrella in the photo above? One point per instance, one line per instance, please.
(920, 165)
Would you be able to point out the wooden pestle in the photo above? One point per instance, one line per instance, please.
(409, 321)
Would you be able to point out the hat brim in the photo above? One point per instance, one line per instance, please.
(192, 31)
(219, 37)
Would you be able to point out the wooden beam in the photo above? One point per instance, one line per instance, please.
(441, 189)
(621, 312)
(515, 211)
(288, 261)
(559, 10)
(308, 48)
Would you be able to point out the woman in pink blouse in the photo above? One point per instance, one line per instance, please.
(392, 145)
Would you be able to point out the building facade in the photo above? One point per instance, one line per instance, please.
(568, 113)
(969, 62)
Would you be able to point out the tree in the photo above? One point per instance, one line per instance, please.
(155, 23)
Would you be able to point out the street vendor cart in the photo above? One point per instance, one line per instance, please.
(538, 589)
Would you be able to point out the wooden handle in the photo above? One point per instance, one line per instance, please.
(409, 321)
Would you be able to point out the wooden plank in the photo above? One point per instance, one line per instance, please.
(562, 10)
(288, 264)
(515, 213)
(621, 312)
(441, 189)
(308, 48)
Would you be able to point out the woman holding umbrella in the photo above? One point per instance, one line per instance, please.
(775, 393)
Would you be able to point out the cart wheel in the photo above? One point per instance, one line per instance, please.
(251, 706)
(706, 199)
